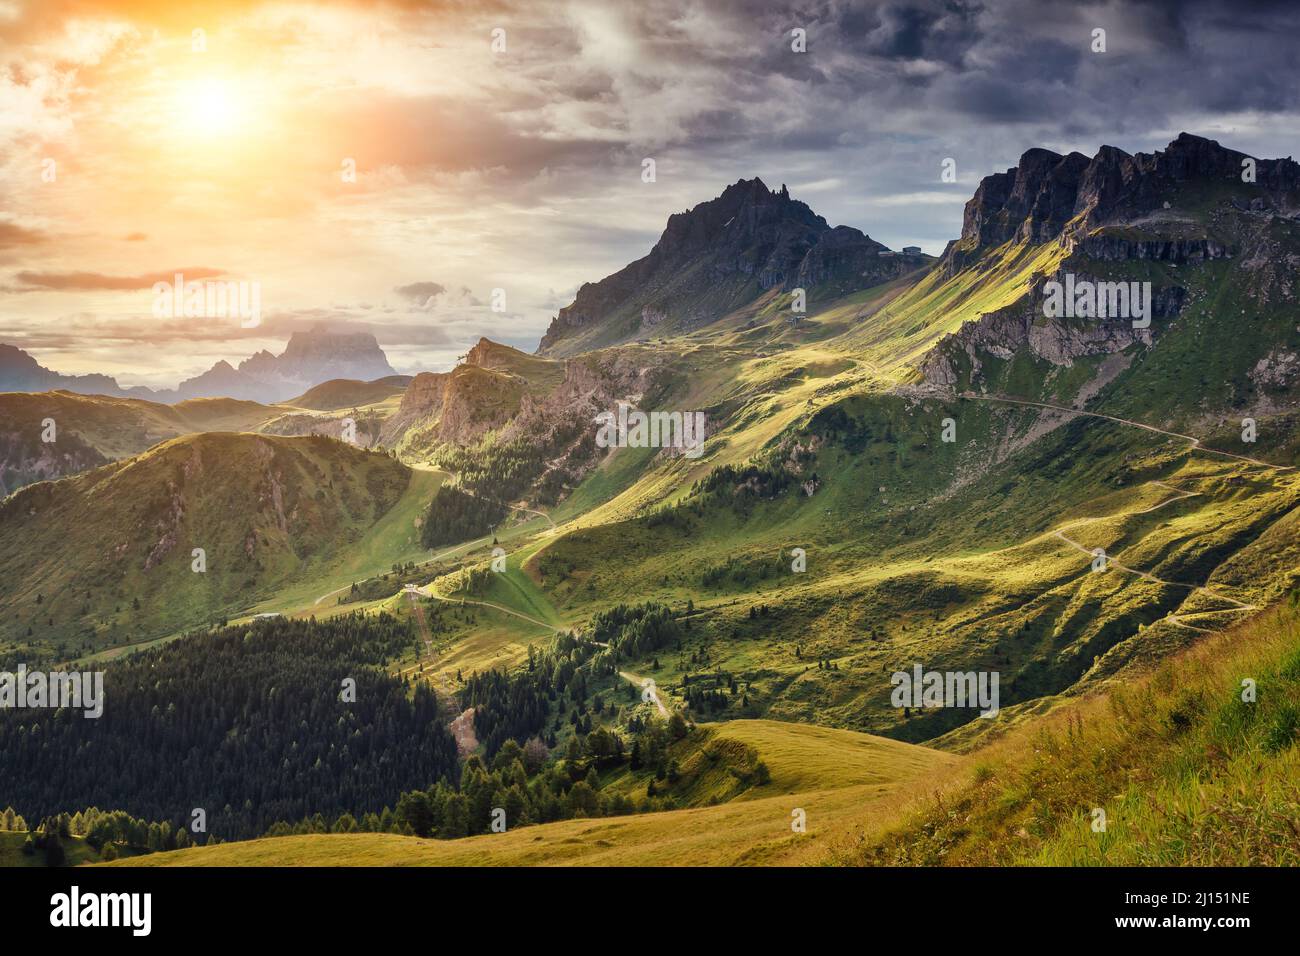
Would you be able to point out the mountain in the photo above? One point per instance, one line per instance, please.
(718, 257)
(1213, 247)
(515, 426)
(19, 372)
(933, 470)
(1066, 434)
(310, 358)
(91, 430)
(106, 557)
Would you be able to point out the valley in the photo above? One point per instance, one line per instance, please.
(928, 468)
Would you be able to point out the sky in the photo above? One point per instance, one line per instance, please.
(498, 147)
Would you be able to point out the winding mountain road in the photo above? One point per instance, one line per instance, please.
(1195, 442)
(427, 591)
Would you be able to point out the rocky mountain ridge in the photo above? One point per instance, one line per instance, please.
(1048, 196)
(1169, 218)
(720, 256)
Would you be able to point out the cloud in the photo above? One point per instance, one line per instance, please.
(98, 282)
(13, 235)
(521, 171)
(421, 292)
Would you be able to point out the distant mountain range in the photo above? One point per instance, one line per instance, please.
(309, 359)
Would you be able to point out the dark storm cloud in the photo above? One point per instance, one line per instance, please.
(885, 91)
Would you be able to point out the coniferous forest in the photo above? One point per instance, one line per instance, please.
(250, 724)
(294, 726)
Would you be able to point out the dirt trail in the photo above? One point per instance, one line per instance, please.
(1172, 617)
(427, 591)
(650, 688)
(1195, 442)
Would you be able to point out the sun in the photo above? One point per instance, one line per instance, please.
(211, 106)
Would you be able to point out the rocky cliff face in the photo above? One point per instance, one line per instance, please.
(1032, 201)
(1048, 196)
(1184, 206)
(543, 408)
(718, 257)
(25, 459)
(1060, 342)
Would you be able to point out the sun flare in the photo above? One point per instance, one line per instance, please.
(211, 106)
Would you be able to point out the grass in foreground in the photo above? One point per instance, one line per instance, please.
(1186, 771)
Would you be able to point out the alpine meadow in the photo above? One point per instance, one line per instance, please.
(459, 434)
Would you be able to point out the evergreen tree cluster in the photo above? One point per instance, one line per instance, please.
(633, 631)
(519, 468)
(517, 706)
(248, 723)
(456, 515)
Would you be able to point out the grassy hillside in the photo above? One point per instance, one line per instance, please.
(895, 480)
(342, 393)
(924, 552)
(106, 558)
(866, 775)
(1187, 772)
(91, 430)
(76, 851)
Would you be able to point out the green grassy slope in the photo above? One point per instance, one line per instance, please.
(1187, 772)
(90, 430)
(76, 851)
(78, 554)
(343, 393)
(864, 776)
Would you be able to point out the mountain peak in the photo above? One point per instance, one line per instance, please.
(718, 256)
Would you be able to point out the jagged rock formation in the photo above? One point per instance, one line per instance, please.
(718, 257)
(1185, 206)
(421, 402)
(1060, 342)
(1045, 193)
(309, 359)
(501, 398)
